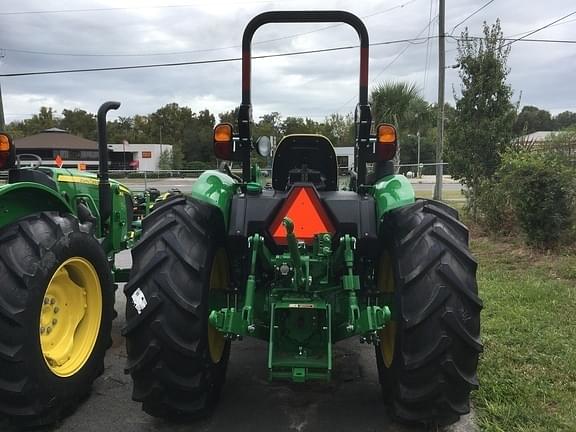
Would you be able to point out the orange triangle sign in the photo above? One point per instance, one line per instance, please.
(59, 161)
(307, 213)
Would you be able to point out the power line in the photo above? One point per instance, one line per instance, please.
(417, 40)
(58, 11)
(554, 25)
(402, 51)
(202, 50)
(199, 62)
(427, 60)
(530, 33)
(406, 48)
(485, 5)
(554, 41)
(512, 40)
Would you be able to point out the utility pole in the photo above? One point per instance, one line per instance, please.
(418, 168)
(2, 121)
(441, 79)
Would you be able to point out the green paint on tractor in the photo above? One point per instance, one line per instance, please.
(303, 265)
(312, 302)
(68, 190)
(217, 188)
(60, 230)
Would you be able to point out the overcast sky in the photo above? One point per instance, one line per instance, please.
(86, 34)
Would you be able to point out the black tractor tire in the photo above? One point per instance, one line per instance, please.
(31, 251)
(173, 373)
(436, 310)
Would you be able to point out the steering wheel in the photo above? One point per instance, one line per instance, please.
(34, 163)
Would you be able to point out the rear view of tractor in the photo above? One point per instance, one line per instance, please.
(59, 231)
(303, 265)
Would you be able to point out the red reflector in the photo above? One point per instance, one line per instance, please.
(307, 213)
(223, 149)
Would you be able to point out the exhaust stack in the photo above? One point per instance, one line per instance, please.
(104, 183)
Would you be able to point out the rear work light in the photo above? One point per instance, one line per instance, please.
(386, 142)
(223, 141)
(304, 208)
(7, 151)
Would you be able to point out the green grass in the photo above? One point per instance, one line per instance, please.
(447, 195)
(528, 369)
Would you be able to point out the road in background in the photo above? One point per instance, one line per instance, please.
(426, 183)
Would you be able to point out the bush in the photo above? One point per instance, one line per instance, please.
(540, 189)
(493, 206)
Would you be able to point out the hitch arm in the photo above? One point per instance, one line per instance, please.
(294, 252)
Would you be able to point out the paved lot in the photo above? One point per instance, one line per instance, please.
(351, 402)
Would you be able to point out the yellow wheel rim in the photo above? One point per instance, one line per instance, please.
(387, 286)
(70, 316)
(219, 279)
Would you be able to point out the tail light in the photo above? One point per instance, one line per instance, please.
(386, 142)
(223, 141)
(7, 152)
(304, 208)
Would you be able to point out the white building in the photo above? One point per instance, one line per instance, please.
(143, 157)
(345, 158)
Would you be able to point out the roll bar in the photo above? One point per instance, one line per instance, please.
(363, 115)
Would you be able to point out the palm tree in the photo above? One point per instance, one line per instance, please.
(397, 103)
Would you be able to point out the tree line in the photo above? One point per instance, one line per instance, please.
(189, 132)
(482, 123)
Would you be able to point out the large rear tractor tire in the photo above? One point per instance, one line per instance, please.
(428, 355)
(56, 311)
(176, 359)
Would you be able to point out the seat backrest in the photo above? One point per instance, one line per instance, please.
(305, 159)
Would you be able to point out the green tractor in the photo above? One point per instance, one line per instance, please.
(303, 265)
(59, 232)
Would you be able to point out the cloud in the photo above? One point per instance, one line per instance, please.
(308, 85)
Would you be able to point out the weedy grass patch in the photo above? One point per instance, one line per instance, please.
(528, 369)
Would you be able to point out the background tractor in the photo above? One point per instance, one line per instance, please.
(59, 232)
(303, 265)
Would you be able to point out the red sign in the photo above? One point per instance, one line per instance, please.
(307, 213)
(59, 161)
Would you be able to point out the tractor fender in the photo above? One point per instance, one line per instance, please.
(392, 192)
(22, 199)
(216, 188)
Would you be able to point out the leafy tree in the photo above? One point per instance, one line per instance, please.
(339, 129)
(198, 141)
(564, 119)
(121, 129)
(298, 125)
(79, 122)
(165, 162)
(532, 119)
(269, 125)
(397, 103)
(230, 117)
(175, 121)
(482, 125)
(43, 120)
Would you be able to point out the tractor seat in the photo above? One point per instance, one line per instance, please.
(305, 158)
